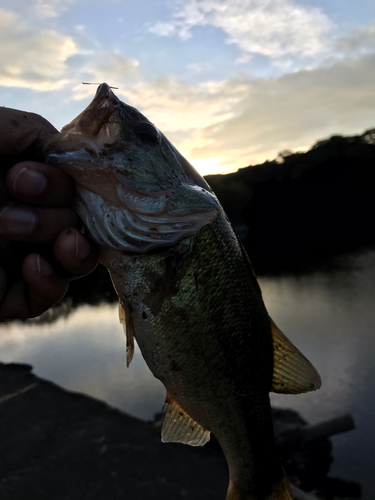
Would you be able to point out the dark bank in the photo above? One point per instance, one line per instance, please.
(75, 447)
(302, 208)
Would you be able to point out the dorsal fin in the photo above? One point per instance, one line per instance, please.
(292, 372)
(179, 427)
(126, 321)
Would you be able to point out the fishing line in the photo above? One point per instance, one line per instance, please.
(94, 83)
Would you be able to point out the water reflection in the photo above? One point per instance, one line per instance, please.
(331, 318)
(86, 353)
(329, 315)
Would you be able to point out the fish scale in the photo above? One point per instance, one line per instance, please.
(186, 288)
(214, 334)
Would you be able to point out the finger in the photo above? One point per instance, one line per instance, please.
(19, 130)
(75, 253)
(39, 183)
(41, 289)
(40, 225)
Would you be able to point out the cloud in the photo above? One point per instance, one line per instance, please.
(240, 121)
(45, 60)
(294, 111)
(31, 58)
(175, 105)
(49, 8)
(232, 122)
(39, 9)
(183, 111)
(360, 40)
(273, 28)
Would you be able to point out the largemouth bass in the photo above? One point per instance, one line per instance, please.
(187, 291)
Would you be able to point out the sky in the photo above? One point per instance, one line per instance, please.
(230, 83)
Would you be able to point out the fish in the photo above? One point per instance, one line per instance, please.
(187, 291)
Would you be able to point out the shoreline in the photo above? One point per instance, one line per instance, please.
(60, 445)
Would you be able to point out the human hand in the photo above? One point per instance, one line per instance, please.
(36, 220)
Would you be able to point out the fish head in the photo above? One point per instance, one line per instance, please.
(134, 190)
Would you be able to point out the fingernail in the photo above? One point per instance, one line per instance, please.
(29, 182)
(44, 268)
(82, 246)
(15, 221)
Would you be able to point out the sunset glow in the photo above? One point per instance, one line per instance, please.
(229, 83)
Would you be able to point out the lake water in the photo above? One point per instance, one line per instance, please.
(329, 315)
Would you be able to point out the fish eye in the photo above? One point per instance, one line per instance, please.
(147, 132)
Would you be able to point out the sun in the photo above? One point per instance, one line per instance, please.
(206, 166)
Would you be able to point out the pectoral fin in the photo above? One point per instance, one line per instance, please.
(179, 427)
(126, 321)
(292, 372)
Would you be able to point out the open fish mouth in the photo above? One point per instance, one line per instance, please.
(135, 192)
(97, 125)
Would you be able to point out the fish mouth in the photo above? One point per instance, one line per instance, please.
(135, 213)
(97, 126)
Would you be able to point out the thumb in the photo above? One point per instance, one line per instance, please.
(19, 130)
